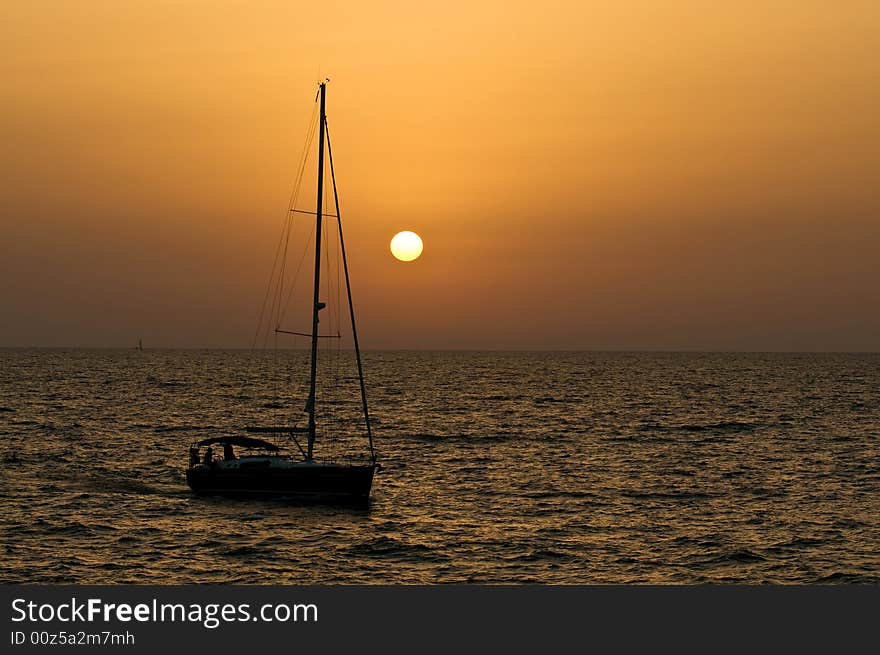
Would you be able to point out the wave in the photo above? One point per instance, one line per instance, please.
(739, 556)
(669, 495)
(719, 426)
(78, 529)
(795, 544)
(539, 495)
(247, 551)
(850, 578)
(391, 547)
(183, 428)
(108, 482)
(542, 554)
(171, 383)
(461, 437)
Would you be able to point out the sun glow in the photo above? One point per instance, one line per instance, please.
(406, 246)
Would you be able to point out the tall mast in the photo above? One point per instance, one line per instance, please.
(317, 305)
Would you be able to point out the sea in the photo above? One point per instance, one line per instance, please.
(498, 468)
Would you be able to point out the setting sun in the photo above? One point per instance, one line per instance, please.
(406, 246)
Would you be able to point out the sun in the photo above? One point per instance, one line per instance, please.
(406, 246)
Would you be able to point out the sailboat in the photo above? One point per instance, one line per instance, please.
(265, 468)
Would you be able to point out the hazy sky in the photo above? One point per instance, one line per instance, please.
(651, 175)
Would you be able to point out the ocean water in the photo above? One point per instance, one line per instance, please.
(498, 468)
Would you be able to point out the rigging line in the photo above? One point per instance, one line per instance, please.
(305, 334)
(337, 355)
(334, 285)
(357, 350)
(290, 203)
(290, 222)
(282, 238)
(334, 309)
(303, 211)
(277, 284)
(302, 259)
(327, 395)
(269, 286)
(278, 281)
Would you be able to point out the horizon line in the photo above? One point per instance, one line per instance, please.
(458, 350)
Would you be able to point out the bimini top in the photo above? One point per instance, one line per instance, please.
(244, 442)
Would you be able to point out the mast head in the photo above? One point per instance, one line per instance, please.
(321, 87)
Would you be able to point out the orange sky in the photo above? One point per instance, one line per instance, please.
(638, 176)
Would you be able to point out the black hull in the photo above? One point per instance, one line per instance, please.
(328, 483)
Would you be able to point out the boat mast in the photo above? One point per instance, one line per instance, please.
(317, 305)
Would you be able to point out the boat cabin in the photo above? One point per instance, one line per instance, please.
(255, 449)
